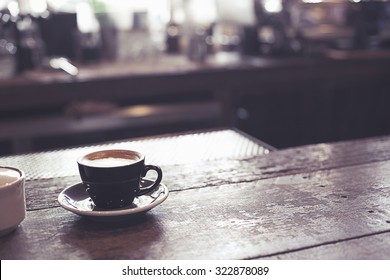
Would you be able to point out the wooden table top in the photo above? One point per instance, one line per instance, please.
(231, 197)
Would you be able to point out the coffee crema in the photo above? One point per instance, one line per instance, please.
(110, 158)
(108, 162)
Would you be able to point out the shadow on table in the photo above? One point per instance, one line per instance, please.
(106, 240)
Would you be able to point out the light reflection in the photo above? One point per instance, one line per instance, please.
(13, 8)
(86, 20)
(38, 6)
(138, 111)
(201, 11)
(238, 12)
(272, 6)
(312, 1)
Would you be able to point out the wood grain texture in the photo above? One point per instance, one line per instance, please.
(301, 160)
(374, 247)
(262, 217)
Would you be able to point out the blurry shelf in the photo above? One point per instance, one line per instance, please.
(207, 90)
(132, 116)
(222, 75)
(358, 54)
(22, 131)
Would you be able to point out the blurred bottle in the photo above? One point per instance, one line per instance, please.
(235, 29)
(200, 18)
(30, 45)
(174, 29)
(89, 44)
(272, 26)
(8, 48)
(20, 38)
(139, 28)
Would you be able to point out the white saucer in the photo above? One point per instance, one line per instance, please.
(76, 200)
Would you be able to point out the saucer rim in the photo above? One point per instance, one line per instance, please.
(111, 212)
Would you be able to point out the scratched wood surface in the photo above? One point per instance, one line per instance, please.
(326, 201)
(374, 247)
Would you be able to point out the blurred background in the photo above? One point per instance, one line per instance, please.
(289, 72)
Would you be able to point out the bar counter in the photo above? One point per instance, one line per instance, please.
(339, 96)
(224, 74)
(230, 197)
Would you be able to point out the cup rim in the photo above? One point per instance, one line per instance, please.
(17, 181)
(141, 157)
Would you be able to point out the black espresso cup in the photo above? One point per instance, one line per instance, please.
(112, 178)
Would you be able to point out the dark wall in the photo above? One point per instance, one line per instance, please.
(322, 112)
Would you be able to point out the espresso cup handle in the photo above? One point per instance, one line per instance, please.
(156, 183)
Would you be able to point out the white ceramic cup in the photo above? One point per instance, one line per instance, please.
(12, 199)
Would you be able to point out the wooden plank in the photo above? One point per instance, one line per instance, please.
(227, 221)
(301, 160)
(373, 247)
